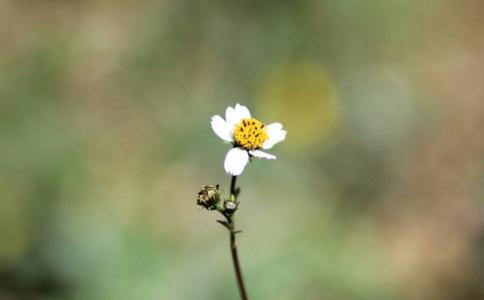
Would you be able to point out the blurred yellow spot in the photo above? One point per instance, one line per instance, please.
(303, 98)
(250, 134)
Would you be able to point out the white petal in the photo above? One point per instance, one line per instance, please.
(274, 126)
(242, 111)
(275, 135)
(222, 128)
(235, 161)
(261, 154)
(234, 115)
(231, 116)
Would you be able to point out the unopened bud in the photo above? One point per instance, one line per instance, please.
(230, 206)
(209, 197)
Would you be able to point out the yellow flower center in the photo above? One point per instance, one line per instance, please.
(250, 134)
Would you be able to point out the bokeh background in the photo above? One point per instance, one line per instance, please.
(377, 192)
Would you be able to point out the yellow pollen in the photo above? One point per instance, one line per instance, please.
(250, 134)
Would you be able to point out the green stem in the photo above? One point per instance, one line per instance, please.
(233, 246)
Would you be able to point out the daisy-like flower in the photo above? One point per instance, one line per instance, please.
(247, 135)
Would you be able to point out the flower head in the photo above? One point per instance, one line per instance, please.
(248, 135)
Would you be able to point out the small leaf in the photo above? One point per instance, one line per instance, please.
(224, 223)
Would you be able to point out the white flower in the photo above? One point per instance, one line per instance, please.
(247, 135)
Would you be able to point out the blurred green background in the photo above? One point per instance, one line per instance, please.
(105, 140)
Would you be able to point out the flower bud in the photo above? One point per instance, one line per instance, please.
(230, 206)
(209, 197)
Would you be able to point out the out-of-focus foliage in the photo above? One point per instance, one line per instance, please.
(104, 141)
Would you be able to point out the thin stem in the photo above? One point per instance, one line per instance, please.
(233, 246)
(233, 181)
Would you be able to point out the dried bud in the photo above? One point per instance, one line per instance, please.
(209, 197)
